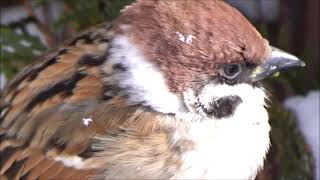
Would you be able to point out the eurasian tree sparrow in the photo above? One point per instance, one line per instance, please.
(169, 90)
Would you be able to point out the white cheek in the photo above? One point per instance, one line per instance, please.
(247, 93)
(142, 80)
(238, 143)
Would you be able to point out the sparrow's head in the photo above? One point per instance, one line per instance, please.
(202, 57)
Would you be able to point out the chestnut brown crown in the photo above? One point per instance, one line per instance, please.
(188, 39)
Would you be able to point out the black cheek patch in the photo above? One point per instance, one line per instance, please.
(223, 107)
(119, 67)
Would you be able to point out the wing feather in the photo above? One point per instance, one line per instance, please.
(45, 106)
(58, 120)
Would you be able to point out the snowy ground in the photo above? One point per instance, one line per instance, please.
(3, 81)
(306, 109)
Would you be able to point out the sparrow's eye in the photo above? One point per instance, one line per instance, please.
(230, 71)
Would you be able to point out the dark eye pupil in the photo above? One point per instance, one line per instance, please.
(231, 69)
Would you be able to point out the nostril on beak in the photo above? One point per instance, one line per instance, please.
(223, 107)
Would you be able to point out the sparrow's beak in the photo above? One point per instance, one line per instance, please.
(278, 61)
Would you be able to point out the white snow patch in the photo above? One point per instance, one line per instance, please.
(25, 43)
(306, 110)
(18, 31)
(86, 121)
(180, 36)
(3, 81)
(189, 39)
(9, 49)
(16, 13)
(36, 52)
(12, 14)
(186, 39)
(34, 31)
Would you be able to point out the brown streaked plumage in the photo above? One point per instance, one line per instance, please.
(137, 99)
(45, 105)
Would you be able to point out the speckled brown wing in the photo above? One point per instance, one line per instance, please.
(63, 118)
(42, 110)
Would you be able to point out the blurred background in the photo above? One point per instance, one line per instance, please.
(31, 27)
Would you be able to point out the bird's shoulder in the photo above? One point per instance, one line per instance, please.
(58, 107)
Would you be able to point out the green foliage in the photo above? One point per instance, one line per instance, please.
(80, 14)
(18, 48)
(290, 152)
(112, 7)
(85, 13)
